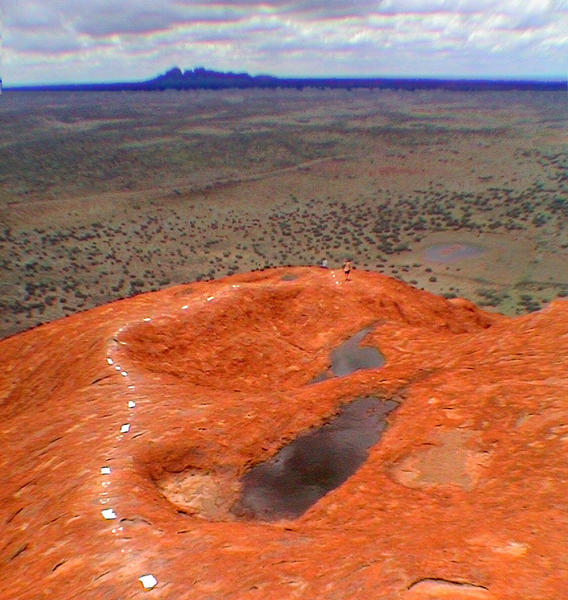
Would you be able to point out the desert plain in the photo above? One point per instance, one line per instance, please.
(106, 195)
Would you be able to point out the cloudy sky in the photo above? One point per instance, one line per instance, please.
(57, 41)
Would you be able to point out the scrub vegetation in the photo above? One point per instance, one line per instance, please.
(106, 195)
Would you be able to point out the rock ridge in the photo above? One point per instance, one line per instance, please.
(464, 496)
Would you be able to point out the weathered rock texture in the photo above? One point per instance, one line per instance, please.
(464, 497)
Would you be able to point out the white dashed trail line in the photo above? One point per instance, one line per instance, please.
(148, 580)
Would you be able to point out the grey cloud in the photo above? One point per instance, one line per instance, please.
(533, 21)
(400, 7)
(310, 9)
(44, 42)
(100, 18)
(117, 20)
(29, 15)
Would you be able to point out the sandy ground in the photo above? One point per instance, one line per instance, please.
(104, 196)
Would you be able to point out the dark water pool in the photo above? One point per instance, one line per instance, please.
(315, 463)
(350, 357)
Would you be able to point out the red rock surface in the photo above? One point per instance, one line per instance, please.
(464, 496)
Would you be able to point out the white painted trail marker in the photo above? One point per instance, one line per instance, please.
(105, 470)
(124, 373)
(185, 307)
(147, 319)
(125, 428)
(110, 361)
(210, 298)
(148, 581)
(131, 404)
(108, 514)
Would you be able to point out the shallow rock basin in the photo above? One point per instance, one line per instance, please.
(315, 463)
(451, 253)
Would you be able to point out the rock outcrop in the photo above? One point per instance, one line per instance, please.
(125, 432)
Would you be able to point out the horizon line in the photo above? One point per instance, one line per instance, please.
(442, 78)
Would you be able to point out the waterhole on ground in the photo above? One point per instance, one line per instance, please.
(450, 253)
(315, 463)
(350, 357)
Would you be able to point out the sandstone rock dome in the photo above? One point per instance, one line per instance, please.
(126, 430)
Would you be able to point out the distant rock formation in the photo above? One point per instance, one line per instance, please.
(208, 79)
(125, 432)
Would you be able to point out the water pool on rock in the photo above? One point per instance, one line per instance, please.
(350, 357)
(315, 463)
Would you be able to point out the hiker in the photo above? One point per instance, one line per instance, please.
(324, 263)
(347, 269)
